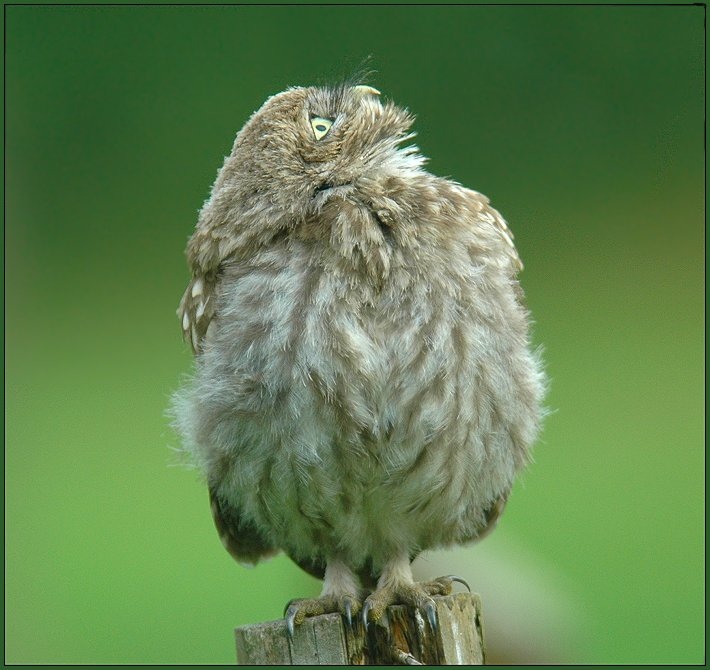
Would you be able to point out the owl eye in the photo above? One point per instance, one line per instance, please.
(320, 126)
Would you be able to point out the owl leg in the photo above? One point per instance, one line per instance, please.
(396, 586)
(341, 593)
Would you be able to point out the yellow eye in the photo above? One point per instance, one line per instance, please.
(320, 126)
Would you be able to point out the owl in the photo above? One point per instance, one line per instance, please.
(364, 385)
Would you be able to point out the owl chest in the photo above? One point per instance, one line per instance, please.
(358, 415)
(306, 344)
(343, 394)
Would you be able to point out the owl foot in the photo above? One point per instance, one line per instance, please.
(297, 610)
(414, 594)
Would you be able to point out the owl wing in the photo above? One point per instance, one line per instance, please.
(492, 514)
(208, 248)
(240, 537)
(493, 226)
(490, 520)
(197, 309)
(502, 227)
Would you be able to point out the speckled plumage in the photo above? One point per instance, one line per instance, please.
(364, 385)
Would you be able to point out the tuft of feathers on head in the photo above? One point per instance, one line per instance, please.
(359, 75)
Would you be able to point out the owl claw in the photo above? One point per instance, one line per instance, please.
(297, 610)
(404, 657)
(460, 580)
(430, 611)
(347, 606)
(374, 609)
(288, 605)
(291, 621)
(366, 613)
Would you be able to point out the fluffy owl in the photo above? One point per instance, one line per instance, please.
(364, 384)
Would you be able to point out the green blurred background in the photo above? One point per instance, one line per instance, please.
(585, 127)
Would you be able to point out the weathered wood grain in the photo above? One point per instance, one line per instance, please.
(407, 638)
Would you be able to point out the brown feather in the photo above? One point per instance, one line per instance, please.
(239, 537)
(365, 387)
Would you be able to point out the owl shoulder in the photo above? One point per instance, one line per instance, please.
(485, 226)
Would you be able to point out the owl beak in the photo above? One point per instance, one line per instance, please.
(366, 90)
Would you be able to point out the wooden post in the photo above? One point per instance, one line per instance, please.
(327, 640)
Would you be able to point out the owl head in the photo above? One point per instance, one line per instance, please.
(307, 144)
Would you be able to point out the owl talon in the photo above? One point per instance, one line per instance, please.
(460, 580)
(416, 595)
(291, 621)
(404, 657)
(430, 611)
(442, 586)
(366, 614)
(347, 606)
(288, 605)
(298, 610)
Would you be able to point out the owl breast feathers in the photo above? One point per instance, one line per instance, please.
(364, 386)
